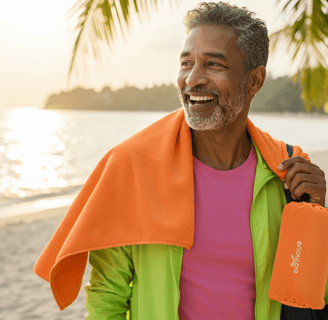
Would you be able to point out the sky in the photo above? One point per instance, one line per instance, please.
(36, 45)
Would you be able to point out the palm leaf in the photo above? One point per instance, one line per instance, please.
(307, 36)
(96, 26)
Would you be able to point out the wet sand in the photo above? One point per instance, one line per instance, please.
(23, 294)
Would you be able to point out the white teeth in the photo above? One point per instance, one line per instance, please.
(196, 98)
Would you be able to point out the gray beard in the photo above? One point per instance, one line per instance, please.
(225, 112)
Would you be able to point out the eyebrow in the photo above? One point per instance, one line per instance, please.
(219, 55)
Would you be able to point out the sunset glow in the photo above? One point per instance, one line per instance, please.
(37, 39)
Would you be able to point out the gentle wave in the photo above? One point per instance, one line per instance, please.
(47, 155)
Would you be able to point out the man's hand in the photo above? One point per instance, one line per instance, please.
(304, 177)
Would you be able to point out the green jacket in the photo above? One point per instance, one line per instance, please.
(141, 282)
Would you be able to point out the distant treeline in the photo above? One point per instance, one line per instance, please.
(279, 95)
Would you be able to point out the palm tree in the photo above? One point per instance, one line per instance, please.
(96, 23)
(307, 34)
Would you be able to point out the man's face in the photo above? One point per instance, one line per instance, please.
(223, 78)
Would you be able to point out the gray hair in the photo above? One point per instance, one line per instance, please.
(252, 34)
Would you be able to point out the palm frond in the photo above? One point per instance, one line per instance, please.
(96, 25)
(311, 82)
(306, 36)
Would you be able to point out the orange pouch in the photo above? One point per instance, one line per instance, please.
(300, 268)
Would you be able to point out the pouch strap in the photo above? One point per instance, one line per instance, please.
(305, 197)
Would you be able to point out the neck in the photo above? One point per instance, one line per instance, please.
(222, 149)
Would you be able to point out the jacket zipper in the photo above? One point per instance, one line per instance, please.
(254, 247)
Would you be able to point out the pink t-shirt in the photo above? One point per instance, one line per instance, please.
(217, 276)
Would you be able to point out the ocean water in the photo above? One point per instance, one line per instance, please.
(47, 155)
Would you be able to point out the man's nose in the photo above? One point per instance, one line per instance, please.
(196, 76)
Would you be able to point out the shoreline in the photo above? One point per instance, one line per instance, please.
(320, 158)
(33, 217)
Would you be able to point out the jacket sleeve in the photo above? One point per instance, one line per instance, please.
(108, 292)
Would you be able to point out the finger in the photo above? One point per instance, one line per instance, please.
(300, 168)
(297, 180)
(289, 162)
(307, 183)
(312, 189)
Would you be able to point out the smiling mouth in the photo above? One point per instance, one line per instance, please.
(204, 102)
(201, 106)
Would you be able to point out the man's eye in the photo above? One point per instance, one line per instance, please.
(183, 63)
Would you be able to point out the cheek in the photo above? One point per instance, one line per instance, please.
(181, 82)
(224, 86)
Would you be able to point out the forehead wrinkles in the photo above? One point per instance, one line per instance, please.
(218, 52)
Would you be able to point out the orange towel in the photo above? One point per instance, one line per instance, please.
(140, 192)
(300, 268)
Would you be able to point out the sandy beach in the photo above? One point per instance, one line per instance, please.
(22, 238)
(23, 294)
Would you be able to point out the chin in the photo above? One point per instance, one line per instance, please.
(201, 121)
(219, 117)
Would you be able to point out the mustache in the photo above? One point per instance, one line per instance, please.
(217, 94)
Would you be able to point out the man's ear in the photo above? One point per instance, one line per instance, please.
(256, 80)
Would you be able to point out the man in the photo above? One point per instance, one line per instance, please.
(175, 235)
(214, 67)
